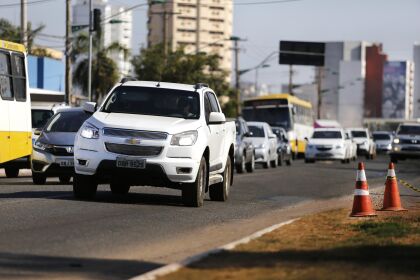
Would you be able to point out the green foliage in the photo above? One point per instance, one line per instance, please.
(178, 67)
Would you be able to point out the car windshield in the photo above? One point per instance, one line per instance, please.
(67, 121)
(327, 134)
(40, 117)
(257, 131)
(381, 136)
(359, 134)
(272, 116)
(409, 129)
(153, 101)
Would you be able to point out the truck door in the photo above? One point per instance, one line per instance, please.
(6, 97)
(216, 141)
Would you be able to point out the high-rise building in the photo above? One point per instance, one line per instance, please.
(398, 90)
(196, 25)
(116, 28)
(416, 96)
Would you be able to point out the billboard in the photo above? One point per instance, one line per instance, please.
(394, 89)
(302, 53)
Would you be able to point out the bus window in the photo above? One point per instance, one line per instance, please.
(5, 77)
(19, 79)
(279, 116)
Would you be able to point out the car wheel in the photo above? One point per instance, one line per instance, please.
(273, 163)
(84, 186)
(38, 179)
(266, 165)
(118, 188)
(64, 179)
(250, 166)
(11, 172)
(193, 194)
(289, 161)
(220, 191)
(240, 168)
(280, 159)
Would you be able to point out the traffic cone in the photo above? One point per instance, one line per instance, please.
(362, 205)
(392, 201)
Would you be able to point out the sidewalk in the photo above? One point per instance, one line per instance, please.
(329, 245)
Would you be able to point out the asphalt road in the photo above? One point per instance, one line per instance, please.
(45, 233)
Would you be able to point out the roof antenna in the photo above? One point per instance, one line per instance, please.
(158, 84)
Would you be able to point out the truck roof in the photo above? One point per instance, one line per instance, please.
(156, 84)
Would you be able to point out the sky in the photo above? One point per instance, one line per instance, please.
(394, 23)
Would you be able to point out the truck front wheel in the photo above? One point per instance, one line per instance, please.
(84, 186)
(220, 191)
(193, 194)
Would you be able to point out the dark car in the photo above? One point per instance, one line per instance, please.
(284, 150)
(52, 154)
(244, 150)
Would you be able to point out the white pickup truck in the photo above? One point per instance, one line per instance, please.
(156, 134)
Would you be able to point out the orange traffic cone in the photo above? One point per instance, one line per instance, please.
(362, 205)
(392, 201)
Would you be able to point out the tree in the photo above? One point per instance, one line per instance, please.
(179, 67)
(11, 33)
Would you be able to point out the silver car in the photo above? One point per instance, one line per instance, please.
(52, 154)
(265, 143)
(383, 141)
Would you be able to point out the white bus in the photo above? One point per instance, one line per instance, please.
(15, 108)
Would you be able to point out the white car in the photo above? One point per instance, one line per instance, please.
(353, 145)
(156, 134)
(265, 143)
(365, 144)
(328, 144)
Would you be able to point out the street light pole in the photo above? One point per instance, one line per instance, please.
(23, 23)
(90, 54)
(68, 54)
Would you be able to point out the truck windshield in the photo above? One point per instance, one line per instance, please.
(153, 101)
(359, 134)
(409, 129)
(257, 131)
(327, 135)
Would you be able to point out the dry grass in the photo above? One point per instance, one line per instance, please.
(329, 245)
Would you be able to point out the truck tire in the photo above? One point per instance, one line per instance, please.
(250, 166)
(193, 194)
(38, 179)
(119, 188)
(64, 179)
(84, 186)
(11, 172)
(240, 168)
(220, 191)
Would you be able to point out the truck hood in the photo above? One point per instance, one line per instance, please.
(325, 141)
(143, 122)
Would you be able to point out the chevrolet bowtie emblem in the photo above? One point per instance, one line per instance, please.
(132, 141)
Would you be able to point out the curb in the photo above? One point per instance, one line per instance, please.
(172, 267)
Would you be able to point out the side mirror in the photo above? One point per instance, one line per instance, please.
(272, 136)
(37, 131)
(217, 118)
(89, 107)
(285, 138)
(306, 139)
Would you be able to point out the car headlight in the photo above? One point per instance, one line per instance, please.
(261, 146)
(310, 146)
(187, 138)
(42, 146)
(396, 141)
(340, 146)
(89, 131)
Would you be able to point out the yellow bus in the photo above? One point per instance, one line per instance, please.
(15, 108)
(283, 110)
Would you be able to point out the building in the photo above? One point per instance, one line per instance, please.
(196, 25)
(116, 28)
(46, 73)
(375, 61)
(398, 90)
(416, 97)
(342, 82)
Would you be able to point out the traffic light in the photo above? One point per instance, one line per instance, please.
(96, 19)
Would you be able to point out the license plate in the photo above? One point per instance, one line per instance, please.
(131, 163)
(324, 155)
(66, 162)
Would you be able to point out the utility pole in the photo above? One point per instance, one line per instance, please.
(291, 79)
(236, 49)
(90, 54)
(198, 30)
(68, 54)
(23, 23)
(319, 90)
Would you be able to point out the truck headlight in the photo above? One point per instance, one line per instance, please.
(89, 131)
(187, 138)
(396, 141)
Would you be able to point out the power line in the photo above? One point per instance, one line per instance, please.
(27, 3)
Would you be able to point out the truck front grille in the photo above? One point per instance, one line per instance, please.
(148, 135)
(134, 150)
